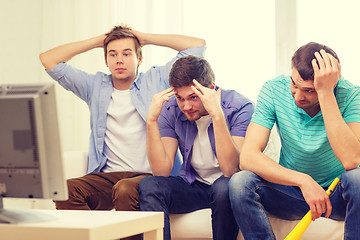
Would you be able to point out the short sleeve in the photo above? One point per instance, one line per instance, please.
(264, 114)
(352, 111)
(166, 123)
(240, 120)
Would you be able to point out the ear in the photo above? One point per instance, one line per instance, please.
(106, 62)
(140, 61)
(212, 86)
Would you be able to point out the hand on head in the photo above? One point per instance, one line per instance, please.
(157, 103)
(327, 71)
(209, 97)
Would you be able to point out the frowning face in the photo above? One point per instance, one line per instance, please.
(189, 103)
(122, 61)
(304, 94)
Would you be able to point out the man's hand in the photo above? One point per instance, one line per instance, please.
(317, 199)
(157, 104)
(209, 98)
(327, 71)
(140, 35)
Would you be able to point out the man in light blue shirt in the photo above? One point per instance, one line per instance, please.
(118, 106)
(317, 114)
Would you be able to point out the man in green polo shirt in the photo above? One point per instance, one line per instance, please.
(317, 114)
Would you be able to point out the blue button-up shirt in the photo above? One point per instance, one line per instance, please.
(96, 90)
(173, 123)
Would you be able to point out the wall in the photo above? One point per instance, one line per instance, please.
(242, 40)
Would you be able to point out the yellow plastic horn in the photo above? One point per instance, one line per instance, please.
(304, 223)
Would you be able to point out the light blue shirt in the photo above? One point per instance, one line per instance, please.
(96, 90)
(304, 143)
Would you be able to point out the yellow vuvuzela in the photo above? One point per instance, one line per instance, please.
(300, 228)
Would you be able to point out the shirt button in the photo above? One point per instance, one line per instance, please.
(186, 150)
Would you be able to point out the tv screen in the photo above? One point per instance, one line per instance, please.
(31, 163)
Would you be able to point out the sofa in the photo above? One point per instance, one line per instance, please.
(197, 225)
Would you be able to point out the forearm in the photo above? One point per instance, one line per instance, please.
(65, 52)
(159, 162)
(176, 42)
(344, 142)
(227, 152)
(268, 169)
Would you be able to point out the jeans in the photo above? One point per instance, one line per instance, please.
(174, 195)
(252, 198)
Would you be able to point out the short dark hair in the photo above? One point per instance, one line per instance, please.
(119, 32)
(187, 68)
(301, 60)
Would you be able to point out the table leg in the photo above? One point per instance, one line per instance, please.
(156, 234)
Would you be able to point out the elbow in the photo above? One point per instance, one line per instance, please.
(160, 173)
(47, 61)
(351, 164)
(231, 171)
(351, 161)
(44, 59)
(243, 161)
(202, 42)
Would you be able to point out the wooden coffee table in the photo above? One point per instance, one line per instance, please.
(87, 225)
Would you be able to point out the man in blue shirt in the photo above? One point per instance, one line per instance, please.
(208, 125)
(118, 106)
(317, 114)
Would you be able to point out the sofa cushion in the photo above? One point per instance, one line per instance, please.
(197, 225)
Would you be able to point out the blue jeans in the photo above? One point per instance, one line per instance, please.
(252, 198)
(174, 195)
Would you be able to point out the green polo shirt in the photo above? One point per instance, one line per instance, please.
(304, 143)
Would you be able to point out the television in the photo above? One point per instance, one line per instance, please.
(31, 164)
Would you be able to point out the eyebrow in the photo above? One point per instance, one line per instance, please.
(126, 49)
(305, 88)
(177, 95)
(292, 81)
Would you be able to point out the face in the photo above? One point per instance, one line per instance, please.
(304, 94)
(189, 103)
(122, 60)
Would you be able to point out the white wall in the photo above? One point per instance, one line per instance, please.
(335, 24)
(240, 34)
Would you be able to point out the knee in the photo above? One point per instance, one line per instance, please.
(152, 185)
(154, 193)
(350, 180)
(220, 189)
(74, 186)
(240, 183)
(125, 188)
(241, 180)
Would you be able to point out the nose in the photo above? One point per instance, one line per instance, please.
(119, 59)
(187, 106)
(298, 96)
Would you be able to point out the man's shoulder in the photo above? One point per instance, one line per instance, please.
(171, 108)
(230, 97)
(279, 81)
(347, 92)
(171, 112)
(277, 88)
(347, 85)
